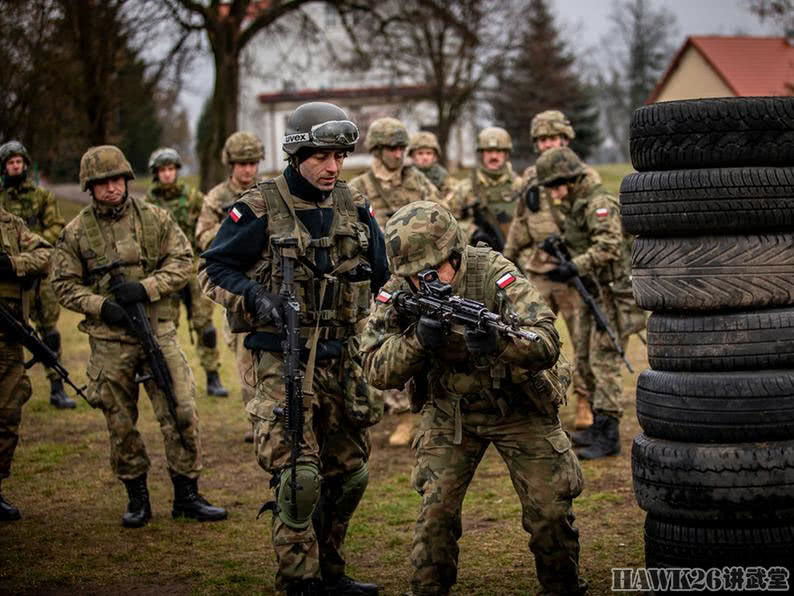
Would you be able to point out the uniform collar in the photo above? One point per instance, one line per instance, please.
(494, 178)
(112, 212)
(384, 174)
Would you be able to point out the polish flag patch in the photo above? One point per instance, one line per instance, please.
(602, 212)
(235, 214)
(371, 211)
(505, 280)
(383, 297)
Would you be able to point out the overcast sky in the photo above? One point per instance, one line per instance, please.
(586, 22)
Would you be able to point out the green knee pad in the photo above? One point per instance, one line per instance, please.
(308, 494)
(353, 486)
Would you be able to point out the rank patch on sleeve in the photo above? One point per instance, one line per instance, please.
(383, 297)
(235, 214)
(602, 212)
(505, 280)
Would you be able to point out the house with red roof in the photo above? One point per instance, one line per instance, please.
(728, 66)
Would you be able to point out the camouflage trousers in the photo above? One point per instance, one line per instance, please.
(564, 299)
(600, 364)
(331, 442)
(201, 325)
(15, 390)
(545, 474)
(44, 313)
(245, 362)
(112, 369)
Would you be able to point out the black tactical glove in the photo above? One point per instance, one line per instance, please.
(563, 272)
(6, 268)
(430, 333)
(264, 306)
(112, 314)
(129, 292)
(532, 198)
(549, 244)
(481, 342)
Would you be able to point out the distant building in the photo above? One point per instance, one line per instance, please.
(721, 66)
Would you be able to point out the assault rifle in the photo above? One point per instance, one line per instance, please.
(436, 301)
(41, 352)
(139, 325)
(292, 412)
(487, 231)
(559, 252)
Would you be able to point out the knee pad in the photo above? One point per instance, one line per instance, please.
(352, 489)
(52, 339)
(209, 337)
(308, 494)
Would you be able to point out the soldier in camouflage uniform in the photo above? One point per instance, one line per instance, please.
(342, 261)
(589, 221)
(535, 221)
(478, 389)
(39, 210)
(491, 187)
(425, 152)
(184, 203)
(156, 260)
(389, 185)
(24, 256)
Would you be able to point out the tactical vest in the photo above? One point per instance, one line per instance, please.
(10, 245)
(332, 302)
(178, 208)
(25, 204)
(498, 198)
(138, 257)
(386, 202)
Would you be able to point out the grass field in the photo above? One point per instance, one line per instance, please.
(70, 540)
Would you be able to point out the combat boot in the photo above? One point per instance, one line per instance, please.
(189, 503)
(606, 438)
(347, 586)
(139, 510)
(403, 434)
(584, 414)
(307, 587)
(585, 438)
(214, 385)
(7, 511)
(58, 397)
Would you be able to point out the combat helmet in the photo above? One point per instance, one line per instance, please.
(319, 125)
(386, 132)
(558, 164)
(242, 147)
(164, 156)
(494, 137)
(103, 161)
(550, 123)
(424, 140)
(9, 150)
(419, 235)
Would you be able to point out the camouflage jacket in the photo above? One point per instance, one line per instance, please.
(438, 175)
(216, 205)
(29, 254)
(392, 353)
(183, 202)
(529, 229)
(388, 191)
(36, 206)
(148, 243)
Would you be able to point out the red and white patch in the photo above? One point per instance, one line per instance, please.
(602, 213)
(235, 214)
(371, 211)
(505, 280)
(383, 297)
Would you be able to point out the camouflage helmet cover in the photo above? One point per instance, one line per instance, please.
(164, 156)
(242, 146)
(319, 125)
(103, 161)
(386, 132)
(551, 123)
(419, 235)
(424, 140)
(494, 137)
(9, 150)
(558, 164)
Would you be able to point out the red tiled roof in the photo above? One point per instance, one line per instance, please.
(403, 91)
(748, 65)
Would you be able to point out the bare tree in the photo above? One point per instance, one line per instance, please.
(778, 12)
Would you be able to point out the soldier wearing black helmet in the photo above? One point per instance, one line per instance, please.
(342, 261)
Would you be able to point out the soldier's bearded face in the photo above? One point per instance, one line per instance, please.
(424, 157)
(494, 159)
(110, 190)
(244, 173)
(392, 157)
(322, 168)
(546, 142)
(15, 165)
(558, 193)
(167, 174)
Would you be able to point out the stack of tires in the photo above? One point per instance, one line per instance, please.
(712, 205)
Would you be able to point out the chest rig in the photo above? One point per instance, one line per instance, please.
(387, 201)
(176, 203)
(25, 202)
(497, 198)
(9, 239)
(331, 301)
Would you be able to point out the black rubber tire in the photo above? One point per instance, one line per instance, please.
(707, 133)
(747, 340)
(671, 544)
(697, 481)
(684, 202)
(713, 272)
(740, 407)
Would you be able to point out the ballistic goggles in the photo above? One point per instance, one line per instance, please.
(326, 134)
